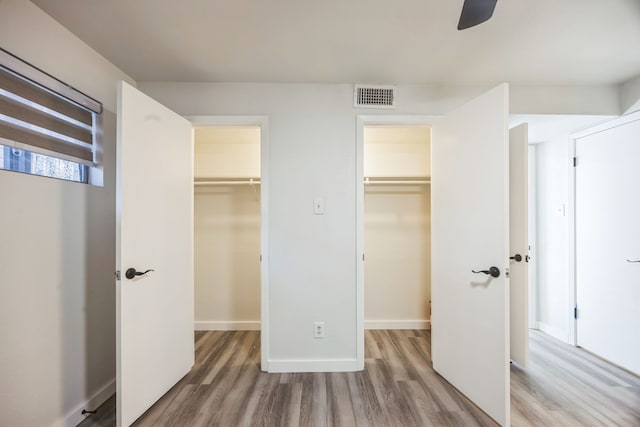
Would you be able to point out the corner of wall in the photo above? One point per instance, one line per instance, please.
(630, 96)
(69, 249)
(58, 51)
(75, 416)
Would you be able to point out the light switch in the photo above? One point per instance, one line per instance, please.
(318, 206)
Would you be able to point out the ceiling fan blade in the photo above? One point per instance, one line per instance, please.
(475, 12)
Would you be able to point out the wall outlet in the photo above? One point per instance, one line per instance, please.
(318, 330)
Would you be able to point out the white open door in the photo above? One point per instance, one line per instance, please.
(154, 313)
(470, 231)
(519, 242)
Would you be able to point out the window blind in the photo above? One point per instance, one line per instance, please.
(39, 113)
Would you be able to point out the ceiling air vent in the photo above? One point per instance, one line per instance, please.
(374, 96)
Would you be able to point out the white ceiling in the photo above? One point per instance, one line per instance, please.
(527, 42)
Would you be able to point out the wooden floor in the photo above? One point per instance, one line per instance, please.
(563, 386)
(567, 386)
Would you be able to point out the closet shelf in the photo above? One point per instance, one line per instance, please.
(240, 181)
(256, 181)
(398, 181)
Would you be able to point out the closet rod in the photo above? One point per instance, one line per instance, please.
(247, 182)
(391, 182)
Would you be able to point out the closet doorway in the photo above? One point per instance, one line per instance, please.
(229, 225)
(397, 226)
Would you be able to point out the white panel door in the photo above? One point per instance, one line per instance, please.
(154, 314)
(608, 244)
(470, 231)
(519, 243)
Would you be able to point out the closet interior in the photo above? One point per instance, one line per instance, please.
(397, 227)
(227, 227)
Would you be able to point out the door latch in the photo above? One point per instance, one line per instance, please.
(117, 274)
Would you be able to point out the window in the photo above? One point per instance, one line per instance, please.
(38, 164)
(47, 128)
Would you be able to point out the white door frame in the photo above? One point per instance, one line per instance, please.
(533, 237)
(361, 122)
(263, 123)
(572, 261)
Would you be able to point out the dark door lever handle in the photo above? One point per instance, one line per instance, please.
(131, 273)
(493, 272)
(633, 260)
(516, 257)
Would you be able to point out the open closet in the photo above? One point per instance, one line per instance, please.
(227, 227)
(397, 227)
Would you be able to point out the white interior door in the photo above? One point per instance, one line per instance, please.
(608, 244)
(154, 314)
(519, 243)
(470, 231)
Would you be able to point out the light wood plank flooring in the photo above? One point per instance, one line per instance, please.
(563, 386)
(567, 386)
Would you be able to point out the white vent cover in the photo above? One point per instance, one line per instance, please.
(365, 96)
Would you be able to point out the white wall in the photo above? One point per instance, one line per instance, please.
(630, 96)
(397, 244)
(57, 251)
(553, 288)
(227, 258)
(227, 229)
(397, 232)
(312, 139)
(227, 152)
(192, 99)
(312, 257)
(397, 151)
(28, 32)
(312, 134)
(565, 100)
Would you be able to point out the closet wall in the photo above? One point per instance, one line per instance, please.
(397, 228)
(227, 228)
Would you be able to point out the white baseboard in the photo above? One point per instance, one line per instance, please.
(254, 325)
(319, 365)
(75, 417)
(237, 325)
(397, 324)
(553, 331)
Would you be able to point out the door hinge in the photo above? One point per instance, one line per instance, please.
(117, 274)
(575, 312)
(260, 257)
(575, 161)
(362, 257)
